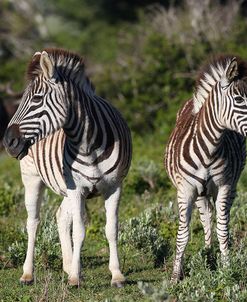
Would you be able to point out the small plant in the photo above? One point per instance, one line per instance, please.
(141, 233)
(17, 250)
(9, 197)
(155, 294)
(150, 172)
(224, 283)
(47, 248)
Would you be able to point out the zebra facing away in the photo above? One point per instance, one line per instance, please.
(76, 143)
(206, 152)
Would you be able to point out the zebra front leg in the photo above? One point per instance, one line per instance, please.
(185, 209)
(77, 205)
(223, 206)
(64, 222)
(111, 230)
(33, 195)
(205, 210)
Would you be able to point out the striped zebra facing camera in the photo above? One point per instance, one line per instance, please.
(74, 142)
(206, 152)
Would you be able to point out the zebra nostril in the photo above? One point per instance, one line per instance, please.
(15, 142)
(12, 136)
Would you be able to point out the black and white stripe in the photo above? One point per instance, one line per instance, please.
(206, 151)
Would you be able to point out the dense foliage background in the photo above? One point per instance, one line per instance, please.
(143, 56)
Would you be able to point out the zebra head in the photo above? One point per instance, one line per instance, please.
(43, 108)
(223, 85)
(233, 115)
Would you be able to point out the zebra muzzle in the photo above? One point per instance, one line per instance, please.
(14, 143)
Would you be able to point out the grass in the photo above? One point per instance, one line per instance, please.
(95, 287)
(148, 224)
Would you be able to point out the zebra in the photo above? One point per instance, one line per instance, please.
(206, 152)
(74, 142)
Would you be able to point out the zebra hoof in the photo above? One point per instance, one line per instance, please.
(118, 281)
(118, 284)
(225, 261)
(74, 282)
(26, 279)
(175, 279)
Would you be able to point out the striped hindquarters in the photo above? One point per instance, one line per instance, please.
(176, 147)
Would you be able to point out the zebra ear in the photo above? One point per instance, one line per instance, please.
(46, 65)
(37, 53)
(232, 70)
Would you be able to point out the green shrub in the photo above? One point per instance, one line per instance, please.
(9, 197)
(17, 250)
(203, 283)
(141, 233)
(145, 174)
(47, 246)
(155, 294)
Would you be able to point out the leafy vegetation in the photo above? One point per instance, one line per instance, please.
(144, 59)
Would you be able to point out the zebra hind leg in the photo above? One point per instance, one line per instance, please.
(64, 222)
(33, 196)
(185, 209)
(111, 230)
(205, 210)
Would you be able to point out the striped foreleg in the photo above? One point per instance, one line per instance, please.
(185, 209)
(205, 210)
(223, 206)
(111, 230)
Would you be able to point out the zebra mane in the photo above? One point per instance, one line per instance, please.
(67, 65)
(211, 73)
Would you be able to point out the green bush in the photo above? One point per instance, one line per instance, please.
(9, 197)
(142, 233)
(145, 174)
(203, 283)
(47, 246)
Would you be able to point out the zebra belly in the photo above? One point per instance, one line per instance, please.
(48, 158)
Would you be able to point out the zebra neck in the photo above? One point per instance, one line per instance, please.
(82, 127)
(75, 125)
(209, 132)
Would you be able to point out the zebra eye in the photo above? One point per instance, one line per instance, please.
(239, 99)
(37, 98)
